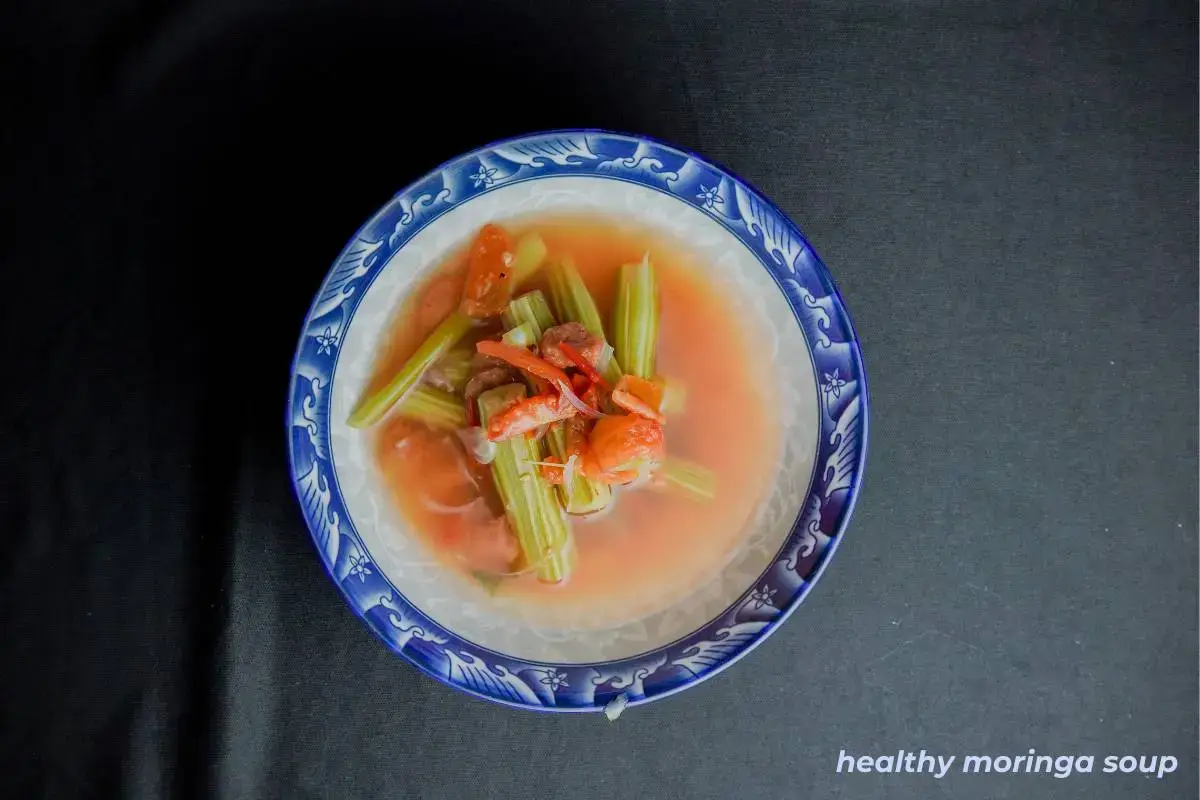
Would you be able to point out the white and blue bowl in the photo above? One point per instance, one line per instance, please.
(452, 632)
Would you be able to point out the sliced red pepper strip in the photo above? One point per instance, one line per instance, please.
(524, 360)
(584, 365)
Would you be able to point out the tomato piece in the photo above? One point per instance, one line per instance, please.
(489, 279)
(618, 441)
(487, 545)
(638, 396)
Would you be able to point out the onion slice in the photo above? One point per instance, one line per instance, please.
(645, 473)
(442, 508)
(477, 444)
(569, 471)
(605, 357)
(583, 408)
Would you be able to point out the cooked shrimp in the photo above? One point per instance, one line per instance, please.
(529, 415)
(638, 396)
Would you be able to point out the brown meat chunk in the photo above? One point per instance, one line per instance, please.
(577, 336)
(480, 362)
(438, 379)
(486, 379)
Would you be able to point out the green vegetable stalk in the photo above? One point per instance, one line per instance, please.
(434, 407)
(574, 303)
(456, 367)
(444, 336)
(530, 503)
(529, 309)
(691, 478)
(635, 319)
(529, 254)
(674, 396)
(520, 336)
(583, 496)
(531, 312)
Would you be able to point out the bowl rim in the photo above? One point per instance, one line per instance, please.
(777, 243)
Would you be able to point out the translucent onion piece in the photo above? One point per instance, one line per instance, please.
(645, 474)
(580, 406)
(569, 472)
(478, 445)
(442, 508)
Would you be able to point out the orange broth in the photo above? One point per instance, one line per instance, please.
(653, 547)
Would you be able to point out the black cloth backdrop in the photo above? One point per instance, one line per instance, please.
(1006, 193)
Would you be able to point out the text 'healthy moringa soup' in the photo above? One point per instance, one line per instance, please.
(570, 414)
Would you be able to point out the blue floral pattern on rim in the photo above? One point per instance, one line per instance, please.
(833, 347)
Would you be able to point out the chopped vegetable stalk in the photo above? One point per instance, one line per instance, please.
(530, 309)
(528, 258)
(690, 477)
(455, 367)
(438, 343)
(674, 396)
(434, 407)
(572, 300)
(520, 336)
(534, 513)
(579, 495)
(635, 319)
(607, 364)
(574, 303)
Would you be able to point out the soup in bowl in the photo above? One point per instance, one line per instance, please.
(576, 420)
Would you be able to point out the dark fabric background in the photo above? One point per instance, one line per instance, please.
(1006, 193)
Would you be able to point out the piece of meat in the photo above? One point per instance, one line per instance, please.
(438, 379)
(480, 362)
(574, 334)
(486, 379)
